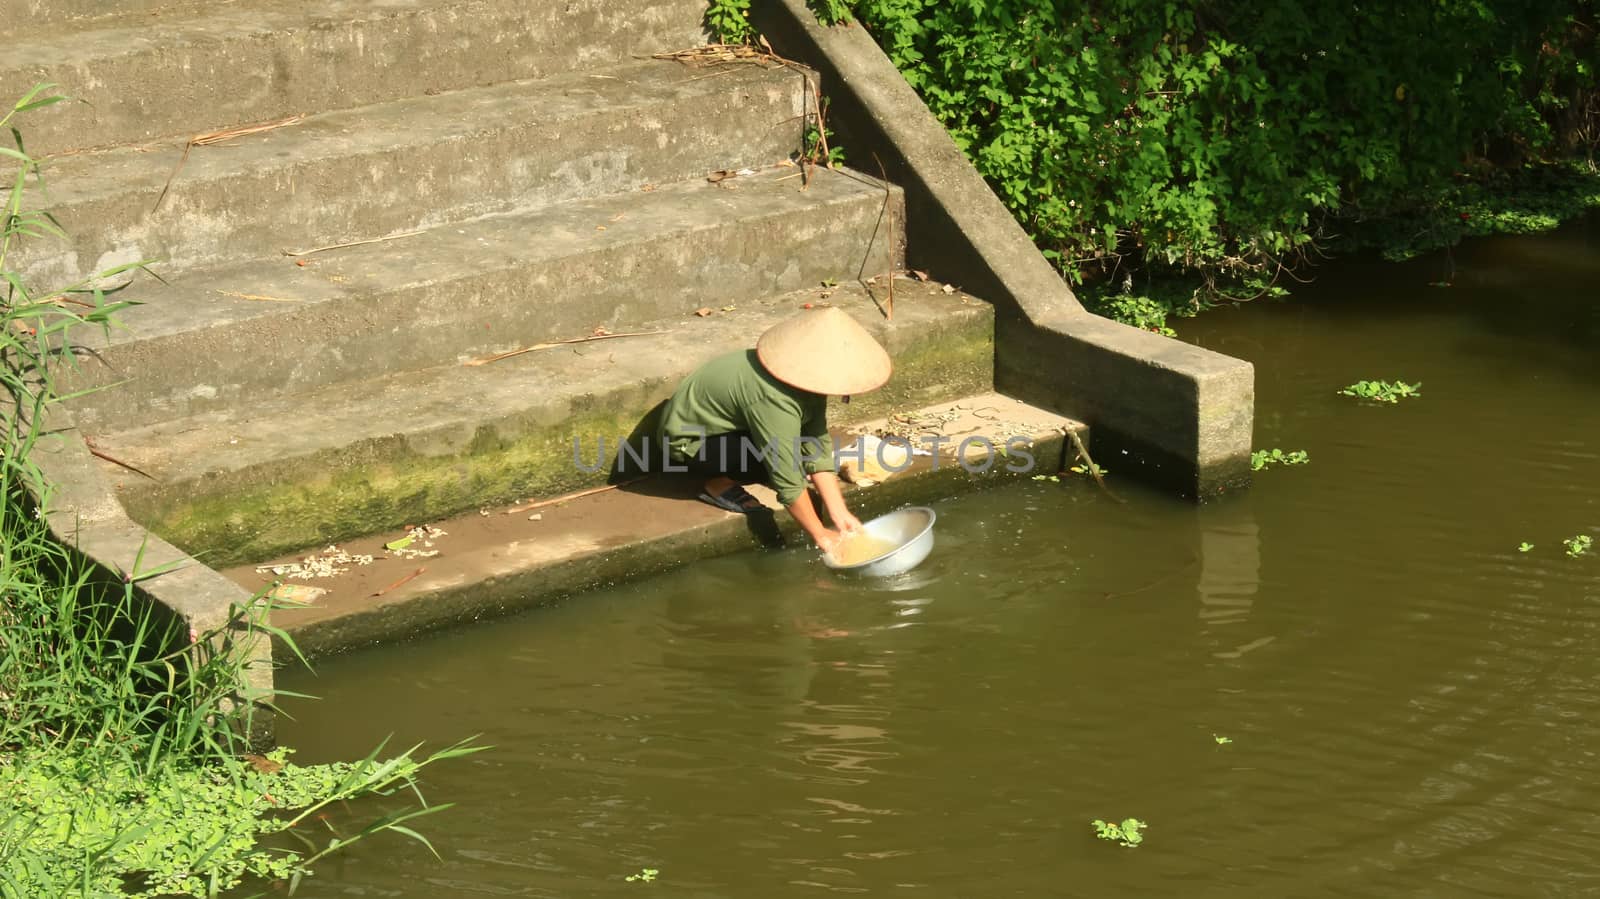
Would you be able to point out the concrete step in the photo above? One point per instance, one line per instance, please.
(412, 163)
(508, 560)
(237, 337)
(357, 458)
(29, 18)
(232, 63)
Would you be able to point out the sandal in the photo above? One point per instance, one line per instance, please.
(734, 499)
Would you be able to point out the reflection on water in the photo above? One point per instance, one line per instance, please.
(1412, 704)
(1230, 572)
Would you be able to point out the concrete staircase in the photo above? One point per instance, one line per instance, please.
(499, 174)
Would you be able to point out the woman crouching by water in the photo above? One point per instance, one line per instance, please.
(761, 416)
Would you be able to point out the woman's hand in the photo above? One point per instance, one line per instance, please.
(805, 514)
(827, 539)
(845, 521)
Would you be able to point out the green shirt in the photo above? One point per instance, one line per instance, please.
(734, 393)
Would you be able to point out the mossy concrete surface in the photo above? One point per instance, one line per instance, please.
(462, 438)
(510, 559)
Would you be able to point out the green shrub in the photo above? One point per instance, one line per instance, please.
(72, 824)
(1224, 142)
(728, 21)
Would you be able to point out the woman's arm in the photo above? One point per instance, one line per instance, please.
(827, 484)
(806, 515)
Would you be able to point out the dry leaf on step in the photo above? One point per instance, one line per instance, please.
(703, 311)
(921, 276)
(948, 289)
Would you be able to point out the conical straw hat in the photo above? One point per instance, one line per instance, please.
(824, 351)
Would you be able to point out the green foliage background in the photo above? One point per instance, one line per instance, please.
(1228, 140)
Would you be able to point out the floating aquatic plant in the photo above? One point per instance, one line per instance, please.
(1123, 834)
(1267, 458)
(1383, 391)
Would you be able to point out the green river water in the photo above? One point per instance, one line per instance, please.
(1413, 704)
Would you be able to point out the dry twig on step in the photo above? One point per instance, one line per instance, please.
(403, 580)
(546, 346)
(217, 137)
(1083, 453)
(528, 507)
(888, 211)
(256, 296)
(719, 54)
(353, 243)
(809, 161)
(95, 451)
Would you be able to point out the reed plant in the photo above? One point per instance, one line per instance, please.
(124, 760)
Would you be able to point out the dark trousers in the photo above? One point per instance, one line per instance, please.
(731, 455)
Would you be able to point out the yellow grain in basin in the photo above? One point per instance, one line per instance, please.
(859, 547)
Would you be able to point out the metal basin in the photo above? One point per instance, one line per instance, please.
(909, 531)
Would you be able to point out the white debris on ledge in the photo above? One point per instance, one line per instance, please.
(330, 562)
(408, 547)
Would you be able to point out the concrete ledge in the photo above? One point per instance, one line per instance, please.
(84, 514)
(502, 562)
(1179, 415)
(31, 16)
